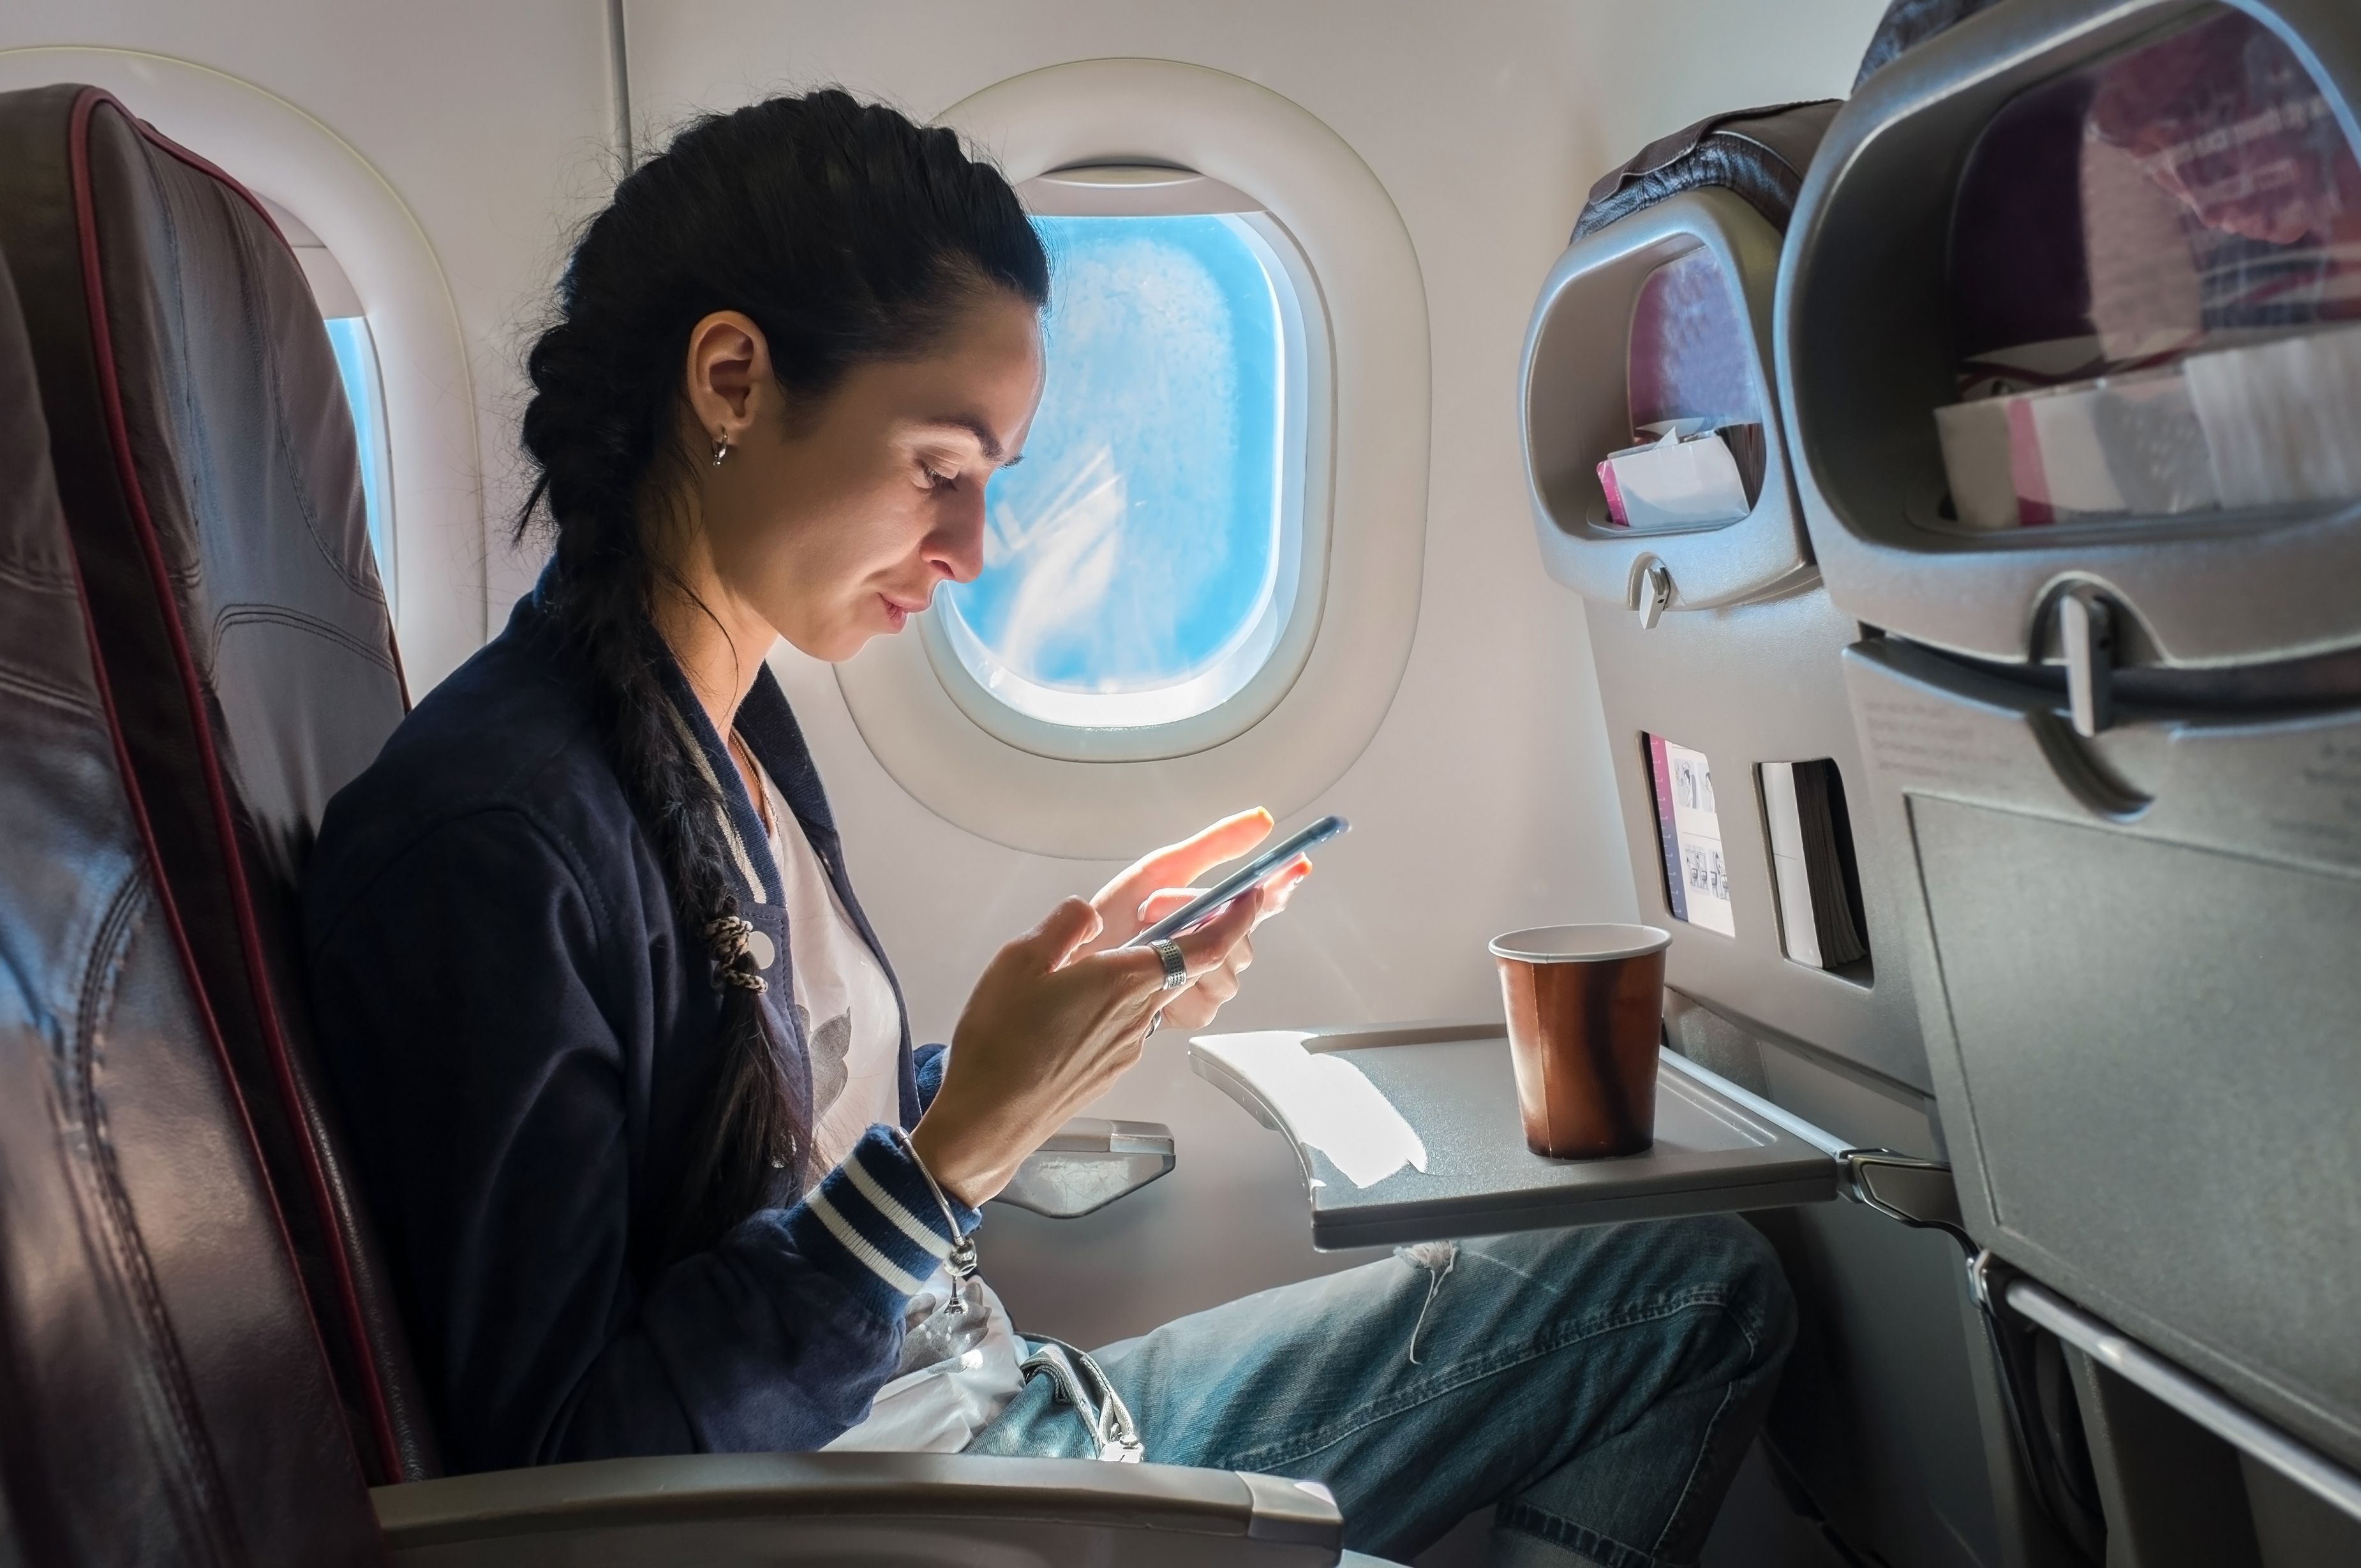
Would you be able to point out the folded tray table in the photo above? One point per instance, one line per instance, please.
(1411, 1134)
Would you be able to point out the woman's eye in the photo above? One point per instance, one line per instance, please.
(935, 479)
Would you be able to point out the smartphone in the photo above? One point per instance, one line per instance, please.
(1261, 869)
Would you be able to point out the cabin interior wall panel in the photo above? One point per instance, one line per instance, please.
(493, 126)
(1752, 683)
(1485, 801)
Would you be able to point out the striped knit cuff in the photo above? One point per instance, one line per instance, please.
(875, 1221)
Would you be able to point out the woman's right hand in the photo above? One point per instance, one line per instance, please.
(1044, 1033)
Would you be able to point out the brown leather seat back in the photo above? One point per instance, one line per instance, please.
(205, 457)
(164, 1392)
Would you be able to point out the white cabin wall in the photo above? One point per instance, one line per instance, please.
(490, 121)
(1485, 801)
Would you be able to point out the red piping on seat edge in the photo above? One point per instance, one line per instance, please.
(249, 934)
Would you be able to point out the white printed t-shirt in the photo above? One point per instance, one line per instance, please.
(958, 1372)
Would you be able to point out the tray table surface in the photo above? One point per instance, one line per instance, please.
(1407, 1139)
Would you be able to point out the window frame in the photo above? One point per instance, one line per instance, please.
(1304, 532)
(1365, 275)
(374, 444)
(338, 301)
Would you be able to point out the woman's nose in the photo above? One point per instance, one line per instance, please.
(956, 547)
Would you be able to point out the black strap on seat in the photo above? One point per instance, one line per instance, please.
(1759, 154)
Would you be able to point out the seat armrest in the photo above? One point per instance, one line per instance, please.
(1088, 1164)
(723, 1510)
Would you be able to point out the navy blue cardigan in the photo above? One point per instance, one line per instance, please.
(521, 1040)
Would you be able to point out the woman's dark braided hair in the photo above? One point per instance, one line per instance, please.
(848, 233)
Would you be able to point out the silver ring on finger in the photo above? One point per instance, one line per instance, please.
(1175, 968)
(1155, 1021)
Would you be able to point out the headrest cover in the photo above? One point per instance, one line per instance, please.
(1759, 154)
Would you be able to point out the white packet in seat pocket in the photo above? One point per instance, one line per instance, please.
(1680, 481)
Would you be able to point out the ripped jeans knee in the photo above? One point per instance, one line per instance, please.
(1438, 1259)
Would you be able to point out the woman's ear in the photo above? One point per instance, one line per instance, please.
(728, 362)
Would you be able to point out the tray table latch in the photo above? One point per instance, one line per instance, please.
(2086, 634)
(1918, 1192)
(1651, 591)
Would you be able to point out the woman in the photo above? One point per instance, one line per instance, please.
(630, 1083)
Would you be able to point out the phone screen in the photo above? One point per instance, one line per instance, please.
(1262, 868)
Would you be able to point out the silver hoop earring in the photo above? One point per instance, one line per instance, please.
(721, 450)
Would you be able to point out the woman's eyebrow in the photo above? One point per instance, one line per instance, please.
(983, 437)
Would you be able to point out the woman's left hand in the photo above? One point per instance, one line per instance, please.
(1157, 884)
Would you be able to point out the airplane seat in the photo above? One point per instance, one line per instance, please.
(167, 1398)
(2104, 694)
(211, 480)
(201, 1357)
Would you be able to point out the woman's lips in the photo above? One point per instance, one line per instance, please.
(897, 611)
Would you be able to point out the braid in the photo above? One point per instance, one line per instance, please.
(846, 233)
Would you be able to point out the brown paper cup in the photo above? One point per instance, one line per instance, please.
(1586, 1012)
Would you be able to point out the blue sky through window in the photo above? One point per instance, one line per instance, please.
(357, 364)
(1137, 546)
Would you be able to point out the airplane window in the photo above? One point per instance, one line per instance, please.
(1141, 563)
(357, 363)
(1221, 608)
(356, 366)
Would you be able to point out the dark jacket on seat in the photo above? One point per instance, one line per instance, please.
(521, 1039)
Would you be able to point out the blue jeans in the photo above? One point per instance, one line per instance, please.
(1599, 1385)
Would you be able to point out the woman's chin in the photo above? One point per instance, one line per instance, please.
(834, 645)
(843, 642)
